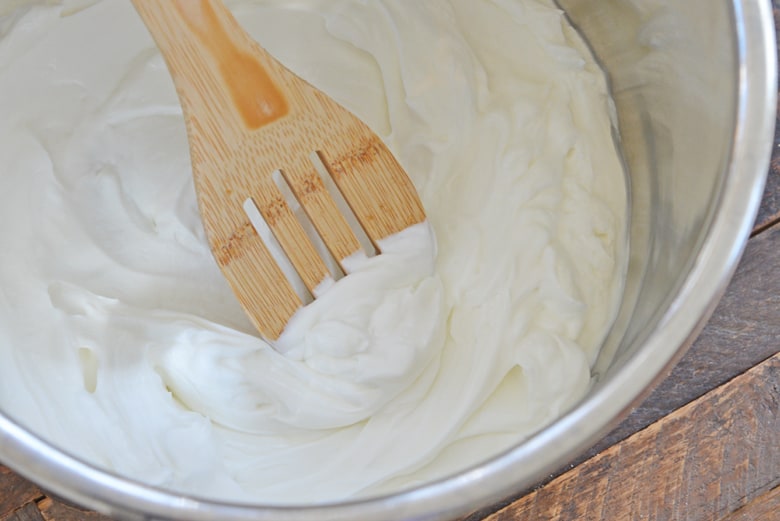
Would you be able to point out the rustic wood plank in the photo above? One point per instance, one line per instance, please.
(702, 462)
(55, 510)
(29, 512)
(15, 491)
(764, 508)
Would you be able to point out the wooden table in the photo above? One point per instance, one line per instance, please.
(705, 446)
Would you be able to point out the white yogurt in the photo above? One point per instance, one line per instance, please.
(121, 342)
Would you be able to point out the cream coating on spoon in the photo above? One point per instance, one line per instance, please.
(121, 342)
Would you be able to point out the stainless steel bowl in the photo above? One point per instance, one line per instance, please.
(694, 82)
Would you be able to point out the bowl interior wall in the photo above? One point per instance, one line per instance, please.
(672, 70)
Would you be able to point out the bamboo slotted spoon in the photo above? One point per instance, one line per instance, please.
(247, 117)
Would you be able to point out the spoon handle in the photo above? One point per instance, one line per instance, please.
(226, 60)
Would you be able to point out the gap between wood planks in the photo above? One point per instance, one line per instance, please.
(764, 508)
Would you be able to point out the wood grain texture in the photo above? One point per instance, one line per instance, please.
(28, 512)
(42, 508)
(702, 462)
(55, 510)
(15, 491)
(766, 507)
(239, 135)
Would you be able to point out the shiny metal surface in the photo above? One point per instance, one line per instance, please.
(694, 83)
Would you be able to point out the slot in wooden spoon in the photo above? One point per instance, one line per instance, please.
(248, 116)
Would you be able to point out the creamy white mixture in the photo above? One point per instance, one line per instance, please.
(121, 342)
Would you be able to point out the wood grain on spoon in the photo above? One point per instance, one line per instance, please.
(248, 116)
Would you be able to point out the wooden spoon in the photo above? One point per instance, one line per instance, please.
(248, 116)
